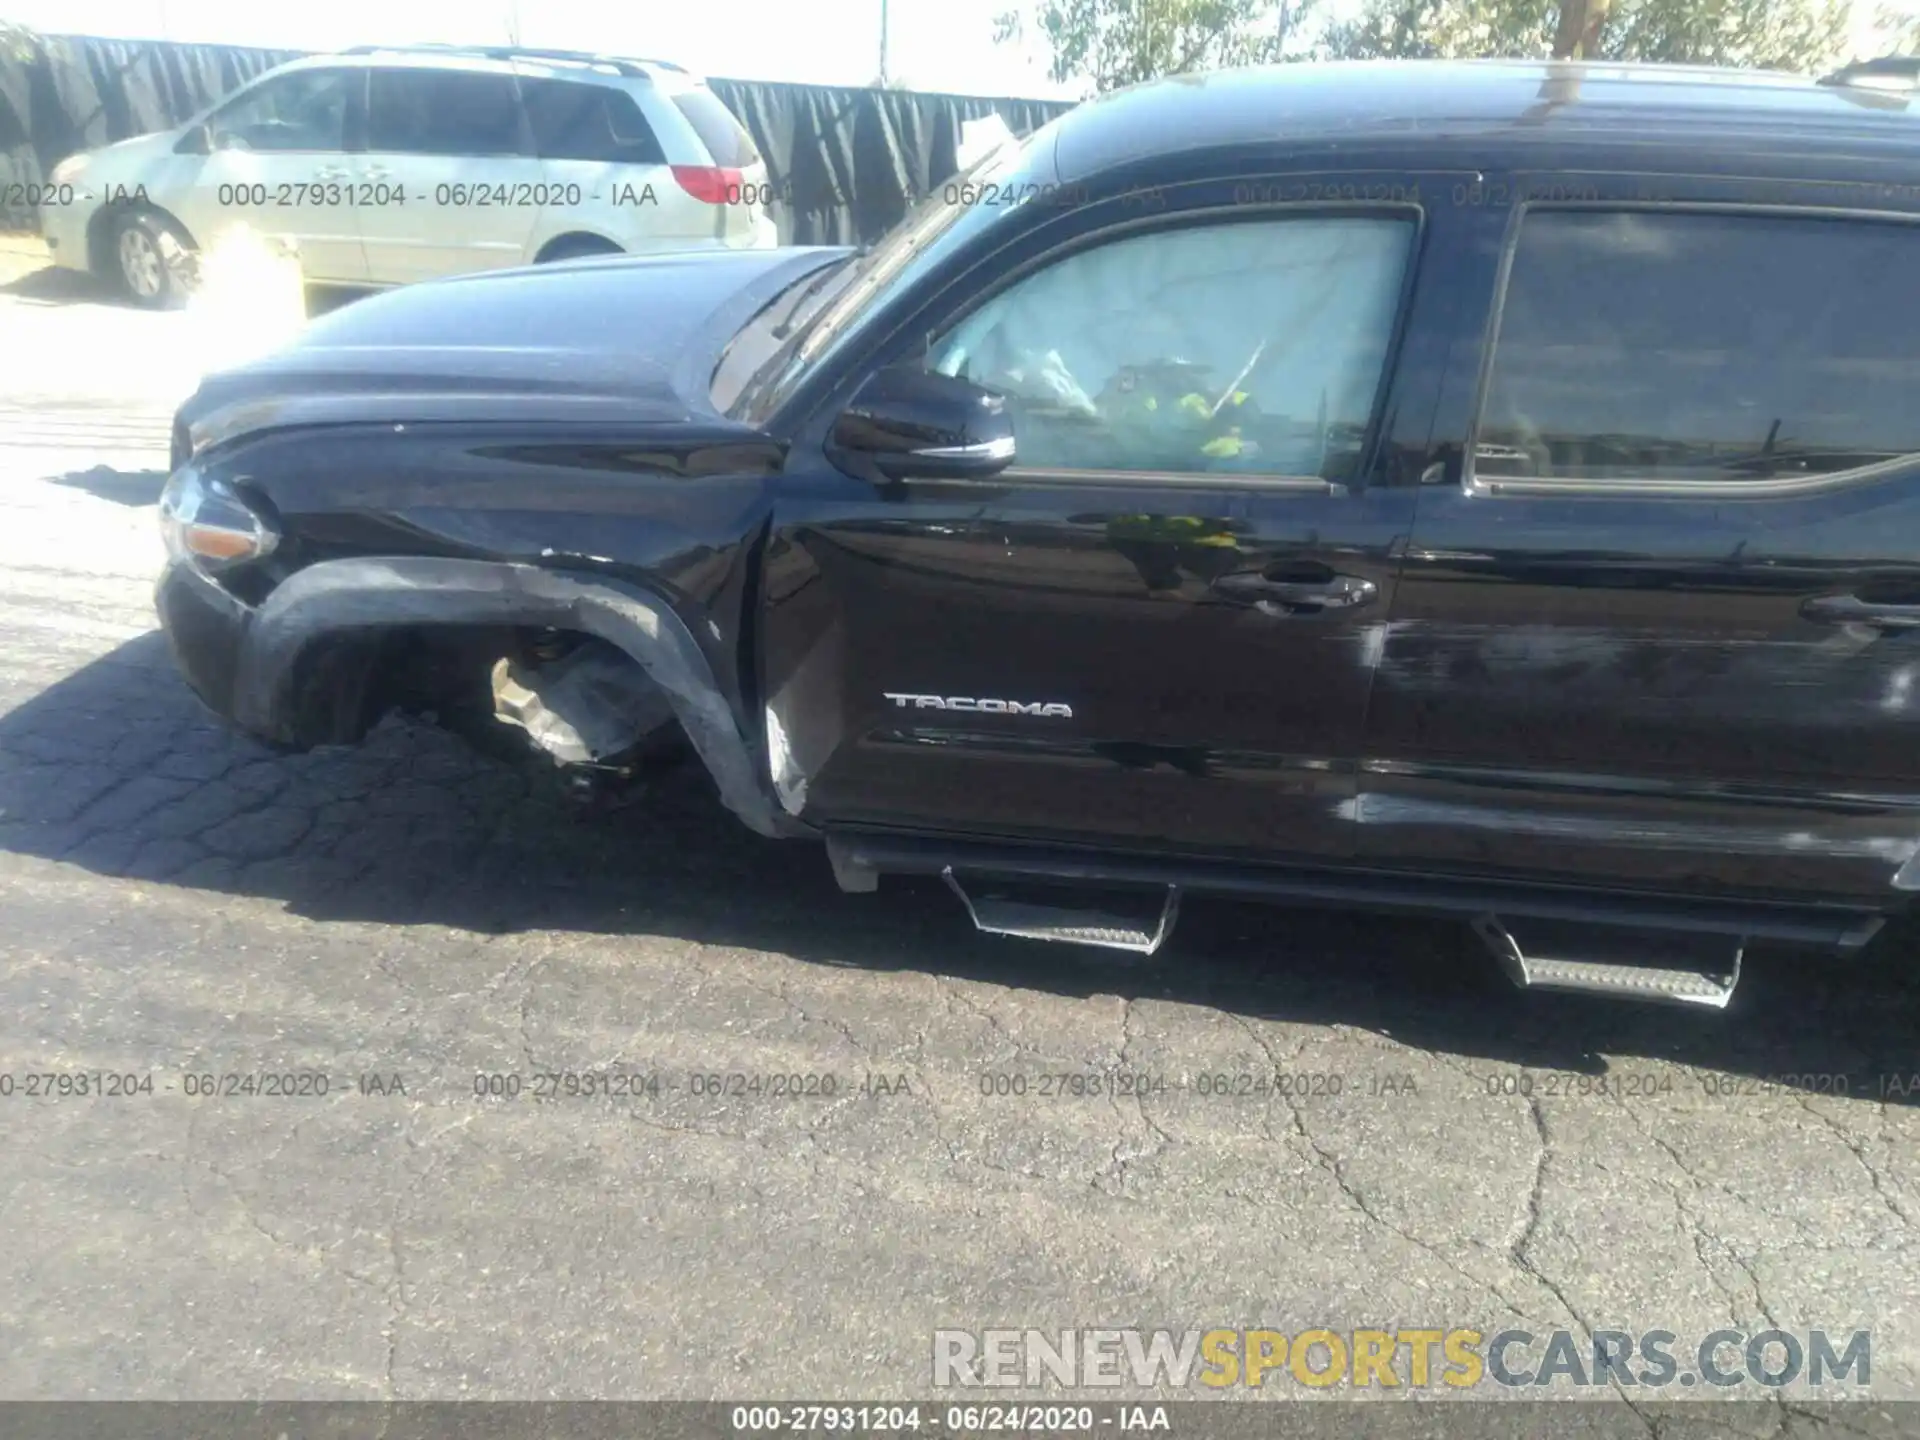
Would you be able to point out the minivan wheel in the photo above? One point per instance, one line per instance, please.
(576, 247)
(146, 254)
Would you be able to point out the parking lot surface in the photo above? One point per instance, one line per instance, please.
(414, 935)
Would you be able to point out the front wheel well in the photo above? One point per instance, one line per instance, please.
(344, 684)
(101, 226)
(372, 609)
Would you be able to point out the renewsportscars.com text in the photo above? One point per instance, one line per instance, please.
(1396, 1358)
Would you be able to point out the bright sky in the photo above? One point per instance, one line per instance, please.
(933, 44)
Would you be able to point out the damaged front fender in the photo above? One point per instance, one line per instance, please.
(337, 598)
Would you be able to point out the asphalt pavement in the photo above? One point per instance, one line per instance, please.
(815, 1128)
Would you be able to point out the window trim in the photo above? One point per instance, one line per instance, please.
(1649, 487)
(1209, 217)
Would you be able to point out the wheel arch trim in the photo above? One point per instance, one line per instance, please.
(100, 226)
(337, 598)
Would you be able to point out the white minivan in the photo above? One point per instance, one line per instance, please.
(383, 166)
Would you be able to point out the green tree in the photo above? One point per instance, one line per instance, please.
(1111, 43)
(1429, 29)
(1775, 34)
(1900, 25)
(16, 41)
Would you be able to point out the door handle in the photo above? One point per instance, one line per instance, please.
(1279, 597)
(1852, 610)
(375, 172)
(331, 172)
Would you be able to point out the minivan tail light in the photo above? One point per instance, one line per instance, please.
(711, 184)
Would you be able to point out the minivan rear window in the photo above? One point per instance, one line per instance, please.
(1713, 346)
(572, 121)
(725, 137)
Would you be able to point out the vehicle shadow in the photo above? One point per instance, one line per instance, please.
(123, 487)
(52, 285)
(117, 769)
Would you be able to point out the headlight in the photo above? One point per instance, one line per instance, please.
(206, 524)
(68, 170)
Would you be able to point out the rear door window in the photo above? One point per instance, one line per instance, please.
(571, 121)
(1664, 345)
(443, 112)
(724, 136)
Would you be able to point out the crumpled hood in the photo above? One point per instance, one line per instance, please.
(633, 339)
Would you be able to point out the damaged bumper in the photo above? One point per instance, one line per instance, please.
(205, 629)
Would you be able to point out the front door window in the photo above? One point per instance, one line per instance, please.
(304, 111)
(1255, 347)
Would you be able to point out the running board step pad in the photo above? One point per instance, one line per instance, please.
(1026, 920)
(1627, 961)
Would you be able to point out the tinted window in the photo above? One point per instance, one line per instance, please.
(1705, 347)
(306, 110)
(588, 122)
(1252, 348)
(443, 112)
(932, 232)
(725, 138)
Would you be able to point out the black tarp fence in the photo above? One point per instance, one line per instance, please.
(844, 163)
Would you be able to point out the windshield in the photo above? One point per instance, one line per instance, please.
(941, 221)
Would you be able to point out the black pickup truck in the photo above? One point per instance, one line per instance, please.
(1483, 489)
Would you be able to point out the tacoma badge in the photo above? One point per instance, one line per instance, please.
(981, 707)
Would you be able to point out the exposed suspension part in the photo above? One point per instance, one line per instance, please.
(588, 707)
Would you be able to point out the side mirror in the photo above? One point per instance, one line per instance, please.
(906, 423)
(197, 141)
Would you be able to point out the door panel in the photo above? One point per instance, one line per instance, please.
(1194, 721)
(1610, 657)
(1569, 699)
(1140, 636)
(272, 145)
(457, 142)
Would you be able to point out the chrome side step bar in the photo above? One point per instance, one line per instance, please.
(1631, 962)
(995, 914)
(861, 857)
(1677, 950)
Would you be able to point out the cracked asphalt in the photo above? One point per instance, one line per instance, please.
(176, 903)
